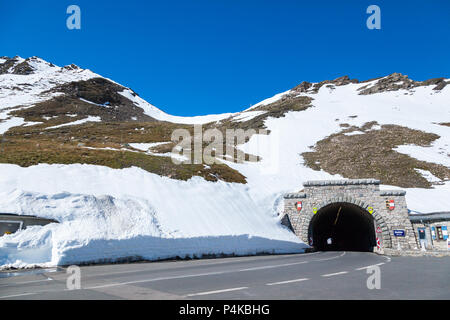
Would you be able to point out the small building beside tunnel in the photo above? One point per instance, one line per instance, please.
(352, 215)
(11, 223)
(432, 230)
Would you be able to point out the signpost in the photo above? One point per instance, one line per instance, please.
(422, 238)
(379, 236)
(444, 232)
(399, 233)
(421, 233)
(378, 244)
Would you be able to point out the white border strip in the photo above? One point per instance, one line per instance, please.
(214, 292)
(334, 274)
(287, 281)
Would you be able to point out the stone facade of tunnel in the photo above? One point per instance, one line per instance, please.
(392, 226)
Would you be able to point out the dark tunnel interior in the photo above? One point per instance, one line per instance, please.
(347, 226)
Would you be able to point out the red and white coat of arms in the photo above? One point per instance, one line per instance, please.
(390, 204)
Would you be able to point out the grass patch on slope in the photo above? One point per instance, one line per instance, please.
(371, 155)
(27, 146)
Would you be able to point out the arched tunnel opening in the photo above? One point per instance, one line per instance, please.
(342, 226)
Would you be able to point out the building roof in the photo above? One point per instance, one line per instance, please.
(340, 182)
(433, 216)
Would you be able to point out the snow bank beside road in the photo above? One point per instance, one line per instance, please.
(108, 214)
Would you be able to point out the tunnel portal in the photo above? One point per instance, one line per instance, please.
(342, 226)
(354, 213)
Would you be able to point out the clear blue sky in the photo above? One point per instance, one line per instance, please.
(193, 57)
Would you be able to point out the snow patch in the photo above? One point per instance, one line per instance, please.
(269, 100)
(428, 175)
(7, 124)
(437, 153)
(106, 105)
(77, 122)
(353, 133)
(248, 115)
(156, 113)
(146, 146)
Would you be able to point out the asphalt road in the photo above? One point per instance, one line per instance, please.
(321, 275)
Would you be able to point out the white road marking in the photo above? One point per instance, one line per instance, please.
(290, 264)
(378, 264)
(151, 280)
(205, 263)
(200, 274)
(16, 295)
(23, 282)
(274, 266)
(287, 281)
(334, 274)
(214, 292)
(177, 277)
(335, 257)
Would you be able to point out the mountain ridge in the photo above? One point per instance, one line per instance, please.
(92, 117)
(20, 66)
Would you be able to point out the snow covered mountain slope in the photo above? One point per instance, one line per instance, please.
(89, 117)
(25, 82)
(320, 143)
(93, 155)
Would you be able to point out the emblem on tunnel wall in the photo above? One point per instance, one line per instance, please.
(298, 206)
(390, 204)
(314, 210)
(370, 209)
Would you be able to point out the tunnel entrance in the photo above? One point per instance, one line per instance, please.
(342, 226)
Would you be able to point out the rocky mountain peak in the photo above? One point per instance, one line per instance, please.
(19, 66)
(397, 81)
(72, 67)
(308, 87)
